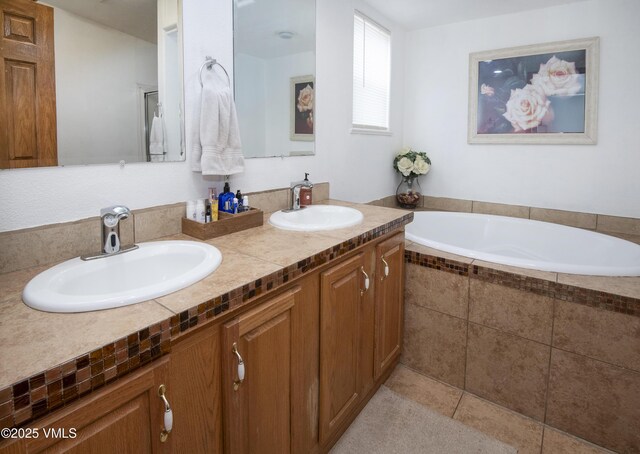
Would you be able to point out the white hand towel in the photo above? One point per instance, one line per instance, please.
(217, 149)
(156, 137)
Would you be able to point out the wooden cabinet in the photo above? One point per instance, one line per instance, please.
(195, 393)
(341, 330)
(126, 417)
(389, 303)
(360, 330)
(257, 379)
(311, 356)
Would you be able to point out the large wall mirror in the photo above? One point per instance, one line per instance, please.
(274, 76)
(108, 90)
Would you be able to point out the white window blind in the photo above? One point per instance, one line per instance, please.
(371, 74)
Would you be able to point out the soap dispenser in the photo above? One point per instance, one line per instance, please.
(306, 196)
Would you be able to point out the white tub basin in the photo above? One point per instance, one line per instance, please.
(155, 269)
(316, 217)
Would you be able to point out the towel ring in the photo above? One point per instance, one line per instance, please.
(209, 63)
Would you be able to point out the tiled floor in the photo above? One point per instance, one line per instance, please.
(525, 434)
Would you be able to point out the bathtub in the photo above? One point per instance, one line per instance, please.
(525, 243)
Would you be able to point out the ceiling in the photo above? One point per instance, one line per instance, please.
(416, 14)
(257, 24)
(136, 18)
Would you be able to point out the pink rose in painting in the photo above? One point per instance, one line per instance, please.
(557, 77)
(305, 99)
(527, 108)
(487, 90)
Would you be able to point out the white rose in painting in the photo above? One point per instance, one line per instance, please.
(420, 166)
(527, 108)
(557, 77)
(305, 99)
(405, 166)
(487, 90)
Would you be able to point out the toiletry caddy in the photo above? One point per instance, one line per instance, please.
(226, 223)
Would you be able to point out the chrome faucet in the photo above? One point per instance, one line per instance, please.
(295, 193)
(110, 218)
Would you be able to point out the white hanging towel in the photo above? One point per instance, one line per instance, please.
(156, 140)
(217, 149)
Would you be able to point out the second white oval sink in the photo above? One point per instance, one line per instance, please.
(316, 217)
(153, 270)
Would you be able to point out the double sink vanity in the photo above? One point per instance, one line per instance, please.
(276, 350)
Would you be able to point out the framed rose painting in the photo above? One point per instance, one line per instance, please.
(540, 94)
(302, 108)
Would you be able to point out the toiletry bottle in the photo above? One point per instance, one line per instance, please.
(235, 205)
(191, 210)
(207, 213)
(305, 193)
(226, 195)
(214, 210)
(200, 210)
(239, 197)
(245, 203)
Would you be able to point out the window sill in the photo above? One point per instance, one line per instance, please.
(372, 132)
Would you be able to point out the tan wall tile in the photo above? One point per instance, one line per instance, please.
(594, 400)
(153, 223)
(508, 427)
(320, 192)
(424, 390)
(571, 218)
(600, 334)
(269, 201)
(447, 204)
(556, 442)
(391, 202)
(508, 370)
(48, 244)
(515, 211)
(514, 311)
(434, 344)
(437, 290)
(629, 226)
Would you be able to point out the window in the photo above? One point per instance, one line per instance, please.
(371, 75)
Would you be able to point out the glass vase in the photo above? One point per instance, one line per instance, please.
(409, 192)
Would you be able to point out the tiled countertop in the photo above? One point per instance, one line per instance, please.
(35, 343)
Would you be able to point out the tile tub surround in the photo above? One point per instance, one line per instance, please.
(49, 244)
(622, 227)
(48, 360)
(561, 349)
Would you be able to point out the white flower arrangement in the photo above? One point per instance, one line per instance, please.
(411, 163)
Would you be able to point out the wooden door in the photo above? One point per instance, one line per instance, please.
(389, 305)
(340, 343)
(257, 410)
(195, 377)
(126, 417)
(27, 86)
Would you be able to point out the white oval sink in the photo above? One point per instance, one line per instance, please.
(316, 217)
(155, 269)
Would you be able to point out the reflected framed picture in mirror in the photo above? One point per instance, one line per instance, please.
(302, 108)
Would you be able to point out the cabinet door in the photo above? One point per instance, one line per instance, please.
(342, 289)
(195, 378)
(126, 417)
(389, 303)
(257, 409)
